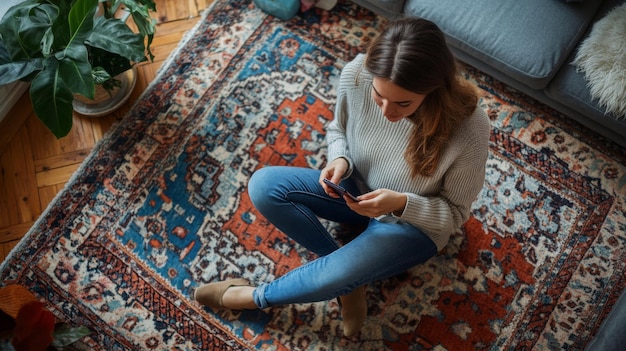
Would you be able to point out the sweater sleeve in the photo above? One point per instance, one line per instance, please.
(336, 129)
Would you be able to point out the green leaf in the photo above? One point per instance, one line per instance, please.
(61, 28)
(46, 42)
(141, 17)
(147, 4)
(114, 36)
(52, 99)
(64, 335)
(75, 64)
(113, 63)
(34, 26)
(73, 60)
(100, 75)
(24, 26)
(80, 18)
(140, 12)
(146, 28)
(20, 70)
(11, 71)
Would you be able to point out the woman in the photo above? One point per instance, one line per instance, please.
(408, 136)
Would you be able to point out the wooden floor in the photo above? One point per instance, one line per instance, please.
(35, 165)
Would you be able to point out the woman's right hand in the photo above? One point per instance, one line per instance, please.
(333, 172)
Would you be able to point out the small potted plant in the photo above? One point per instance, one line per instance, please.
(65, 48)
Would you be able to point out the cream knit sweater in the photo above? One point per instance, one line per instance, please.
(374, 148)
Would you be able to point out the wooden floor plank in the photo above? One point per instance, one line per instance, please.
(48, 193)
(102, 125)
(46, 144)
(56, 176)
(14, 120)
(26, 188)
(61, 160)
(11, 179)
(14, 232)
(5, 248)
(8, 211)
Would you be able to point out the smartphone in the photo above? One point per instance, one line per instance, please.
(340, 190)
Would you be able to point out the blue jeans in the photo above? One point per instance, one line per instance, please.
(292, 200)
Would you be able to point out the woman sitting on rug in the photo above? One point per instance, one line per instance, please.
(408, 136)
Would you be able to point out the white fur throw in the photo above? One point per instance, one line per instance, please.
(602, 59)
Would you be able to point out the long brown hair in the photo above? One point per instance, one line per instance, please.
(412, 54)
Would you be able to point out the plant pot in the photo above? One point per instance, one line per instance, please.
(105, 102)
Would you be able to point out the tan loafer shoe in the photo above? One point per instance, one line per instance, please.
(353, 311)
(211, 294)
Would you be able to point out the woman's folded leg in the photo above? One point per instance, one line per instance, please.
(381, 251)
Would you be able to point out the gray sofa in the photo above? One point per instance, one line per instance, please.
(528, 45)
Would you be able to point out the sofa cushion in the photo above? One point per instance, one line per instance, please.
(527, 40)
(569, 87)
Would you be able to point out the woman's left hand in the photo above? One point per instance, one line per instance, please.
(378, 202)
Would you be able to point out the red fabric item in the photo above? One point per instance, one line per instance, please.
(33, 328)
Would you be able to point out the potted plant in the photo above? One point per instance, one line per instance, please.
(65, 48)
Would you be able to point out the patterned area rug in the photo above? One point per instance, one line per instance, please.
(160, 206)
